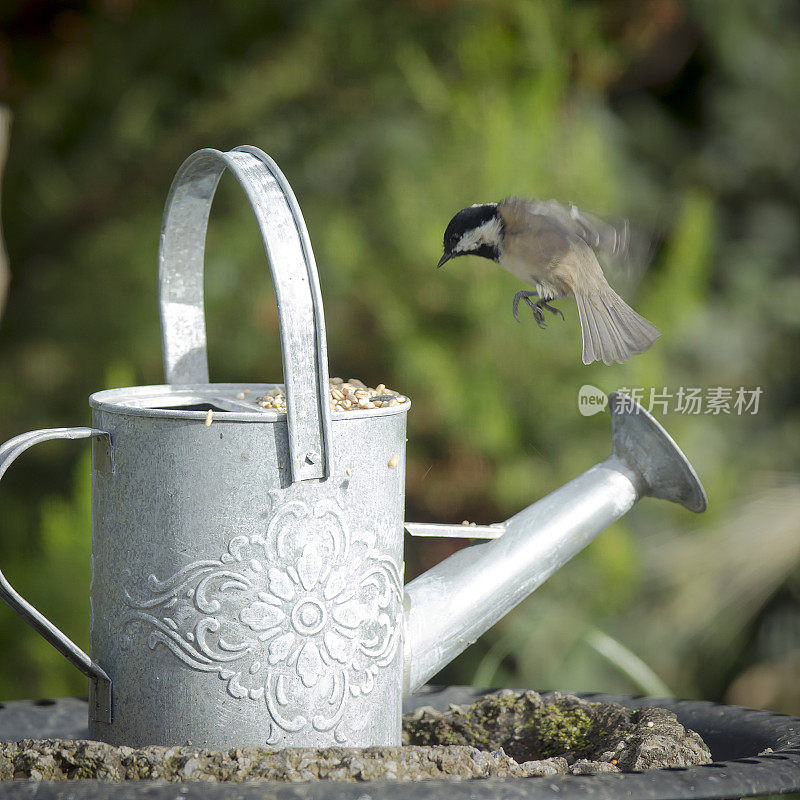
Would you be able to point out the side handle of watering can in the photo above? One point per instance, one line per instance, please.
(100, 683)
(453, 603)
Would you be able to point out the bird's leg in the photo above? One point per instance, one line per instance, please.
(551, 309)
(517, 297)
(538, 315)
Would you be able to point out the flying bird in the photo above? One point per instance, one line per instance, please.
(552, 247)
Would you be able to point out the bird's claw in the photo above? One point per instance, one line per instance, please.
(551, 309)
(526, 296)
(515, 305)
(538, 315)
(536, 308)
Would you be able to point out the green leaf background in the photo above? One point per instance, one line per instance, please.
(387, 117)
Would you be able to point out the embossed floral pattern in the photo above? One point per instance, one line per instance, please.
(299, 618)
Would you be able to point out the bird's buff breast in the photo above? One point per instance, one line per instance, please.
(524, 270)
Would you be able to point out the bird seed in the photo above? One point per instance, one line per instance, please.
(349, 395)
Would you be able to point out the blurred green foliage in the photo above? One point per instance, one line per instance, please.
(387, 117)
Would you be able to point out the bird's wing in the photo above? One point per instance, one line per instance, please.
(608, 238)
(626, 253)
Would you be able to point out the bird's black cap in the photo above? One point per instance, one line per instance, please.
(465, 220)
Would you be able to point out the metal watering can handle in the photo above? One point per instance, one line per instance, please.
(99, 682)
(294, 275)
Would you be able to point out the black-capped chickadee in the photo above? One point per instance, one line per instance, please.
(551, 246)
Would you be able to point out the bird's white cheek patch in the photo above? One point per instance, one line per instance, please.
(488, 233)
(467, 242)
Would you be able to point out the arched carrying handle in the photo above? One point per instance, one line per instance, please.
(99, 682)
(294, 275)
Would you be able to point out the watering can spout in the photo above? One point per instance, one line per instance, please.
(451, 605)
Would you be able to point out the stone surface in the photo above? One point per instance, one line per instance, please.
(60, 759)
(530, 728)
(507, 734)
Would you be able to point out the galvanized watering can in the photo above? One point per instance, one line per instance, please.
(247, 575)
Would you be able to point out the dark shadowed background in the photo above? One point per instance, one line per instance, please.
(387, 117)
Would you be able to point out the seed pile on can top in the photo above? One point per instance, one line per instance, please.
(349, 395)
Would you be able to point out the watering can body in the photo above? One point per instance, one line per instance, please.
(247, 564)
(231, 605)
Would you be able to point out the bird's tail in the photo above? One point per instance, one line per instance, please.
(611, 329)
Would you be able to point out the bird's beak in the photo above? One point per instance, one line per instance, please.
(444, 259)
